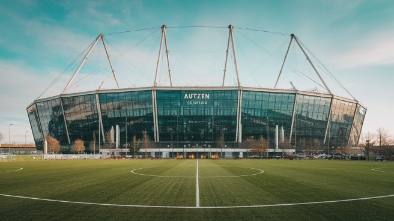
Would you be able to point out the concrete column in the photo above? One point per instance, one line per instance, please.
(276, 137)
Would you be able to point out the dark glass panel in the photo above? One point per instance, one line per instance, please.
(51, 119)
(261, 118)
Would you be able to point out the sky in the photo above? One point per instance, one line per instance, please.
(353, 39)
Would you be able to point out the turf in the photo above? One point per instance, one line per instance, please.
(228, 190)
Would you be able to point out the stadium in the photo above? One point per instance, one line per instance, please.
(167, 119)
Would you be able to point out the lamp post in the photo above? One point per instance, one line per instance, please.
(9, 138)
(25, 140)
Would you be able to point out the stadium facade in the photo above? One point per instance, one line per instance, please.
(218, 120)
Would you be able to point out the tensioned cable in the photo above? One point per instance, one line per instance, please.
(249, 65)
(135, 30)
(139, 70)
(196, 26)
(144, 66)
(142, 40)
(173, 56)
(259, 30)
(327, 71)
(269, 53)
(65, 70)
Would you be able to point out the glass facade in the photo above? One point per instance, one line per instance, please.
(81, 116)
(262, 111)
(198, 116)
(51, 119)
(310, 120)
(133, 109)
(342, 115)
(188, 117)
(35, 126)
(357, 125)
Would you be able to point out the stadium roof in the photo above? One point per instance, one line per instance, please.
(198, 57)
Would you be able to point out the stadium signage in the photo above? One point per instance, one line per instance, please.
(196, 99)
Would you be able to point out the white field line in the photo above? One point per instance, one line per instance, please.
(12, 170)
(193, 207)
(197, 201)
(134, 171)
(197, 188)
(380, 170)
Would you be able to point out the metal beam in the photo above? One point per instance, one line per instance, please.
(287, 52)
(168, 58)
(235, 56)
(238, 130)
(313, 66)
(65, 121)
(100, 117)
(158, 59)
(155, 119)
(81, 64)
(225, 63)
(329, 120)
(294, 117)
(109, 60)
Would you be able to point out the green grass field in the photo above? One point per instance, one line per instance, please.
(196, 190)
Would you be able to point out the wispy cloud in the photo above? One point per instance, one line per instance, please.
(374, 49)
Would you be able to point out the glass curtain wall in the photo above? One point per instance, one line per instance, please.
(82, 118)
(262, 111)
(35, 127)
(196, 117)
(133, 109)
(51, 119)
(310, 121)
(341, 124)
(357, 125)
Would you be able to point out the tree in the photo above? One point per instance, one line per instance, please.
(53, 144)
(382, 137)
(261, 145)
(78, 146)
(1, 136)
(285, 144)
(135, 144)
(145, 142)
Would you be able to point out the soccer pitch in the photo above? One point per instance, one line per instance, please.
(196, 190)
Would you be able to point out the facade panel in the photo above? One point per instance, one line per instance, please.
(310, 121)
(133, 109)
(81, 117)
(200, 118)
(197, 116)
(262, 111)
(340, 124)
(357, 125)
(51, 119)
(35, 126)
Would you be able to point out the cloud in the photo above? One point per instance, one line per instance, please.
(375, 49)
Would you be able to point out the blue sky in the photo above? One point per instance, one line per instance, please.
(353, 39)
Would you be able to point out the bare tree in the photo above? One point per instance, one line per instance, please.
(261, 145)
(145, 142)
(53, 144)
(382, 137)
(78, 146)
(1, 136)
(285, 144)
(135, 144)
